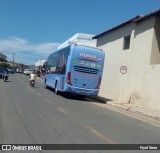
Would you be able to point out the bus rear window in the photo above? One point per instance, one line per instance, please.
(86, 63)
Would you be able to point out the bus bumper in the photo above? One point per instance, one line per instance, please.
(82, 91)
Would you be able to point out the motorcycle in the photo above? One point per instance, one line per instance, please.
(5, 77)
(32, 83)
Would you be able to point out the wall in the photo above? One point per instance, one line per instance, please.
(155, 54)
(145, 73)
(150, 89)
(115, 57)
(139, 84)
(140, 61)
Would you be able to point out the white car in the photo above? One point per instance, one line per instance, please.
(28, 71)
(19, 70)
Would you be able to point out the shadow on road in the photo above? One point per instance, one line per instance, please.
(81, 98)
(94, 99)
(99, 99)
(35, 86)
(8, 81)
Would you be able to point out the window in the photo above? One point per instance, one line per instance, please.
(126, 44)
(57, 62)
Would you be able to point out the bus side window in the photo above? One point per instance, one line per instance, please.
(52, 62)
(59, 63)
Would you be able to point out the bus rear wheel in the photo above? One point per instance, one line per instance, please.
(56, 89)
(81, 96)
(46, 84)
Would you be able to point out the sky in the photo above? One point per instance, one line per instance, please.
(33, 29)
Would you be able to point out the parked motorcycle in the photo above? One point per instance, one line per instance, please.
(32, 83)
(5, 77)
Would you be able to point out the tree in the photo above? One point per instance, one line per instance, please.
(2, 59)
(4, 64)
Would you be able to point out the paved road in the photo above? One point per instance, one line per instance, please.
(38, 116)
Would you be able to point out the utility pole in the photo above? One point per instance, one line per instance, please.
(13, 57)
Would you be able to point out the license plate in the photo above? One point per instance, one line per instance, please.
(83, 90)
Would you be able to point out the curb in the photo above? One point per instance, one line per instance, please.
(127, 108)
(145, 114)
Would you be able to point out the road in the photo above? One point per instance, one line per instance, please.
(38, 116)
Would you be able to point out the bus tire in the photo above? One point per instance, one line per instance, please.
(46, 84)
(81, 96)
(56, 88)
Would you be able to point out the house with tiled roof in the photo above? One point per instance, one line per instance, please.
(132, 47)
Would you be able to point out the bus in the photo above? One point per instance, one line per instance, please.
(75, 69)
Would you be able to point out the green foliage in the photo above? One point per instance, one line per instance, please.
(4, 64)
(3, 60)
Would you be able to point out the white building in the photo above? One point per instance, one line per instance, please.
(136, 45)
(39, 66)
(80, 39)
(39, 63)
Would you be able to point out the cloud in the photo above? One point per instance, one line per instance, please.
(45, 47)
(19, 45)
(23, 48)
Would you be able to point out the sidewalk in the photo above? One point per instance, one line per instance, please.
(155, 114)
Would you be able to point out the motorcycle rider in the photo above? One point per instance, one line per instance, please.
(32, 77)
(4, 74)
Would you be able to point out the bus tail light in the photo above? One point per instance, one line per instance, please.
(68, 79)
(99, 83)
